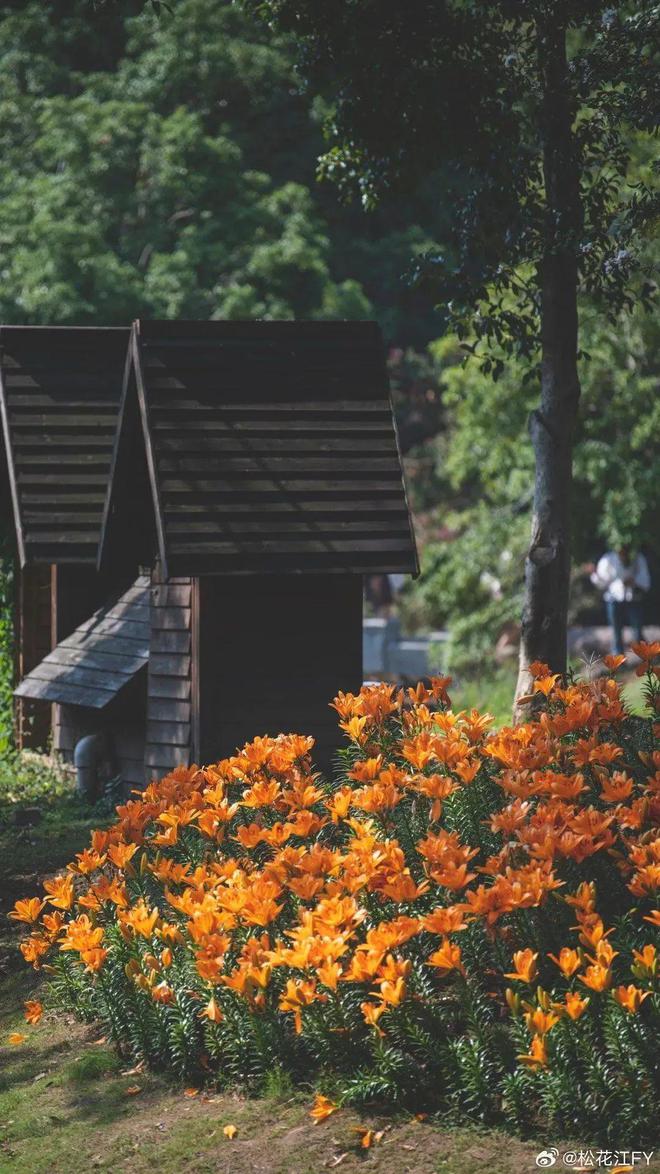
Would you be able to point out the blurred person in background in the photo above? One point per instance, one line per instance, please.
(624, 579)
(379, 595)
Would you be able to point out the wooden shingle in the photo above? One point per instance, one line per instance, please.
(271, 448)
(60, 389)
(96, 661)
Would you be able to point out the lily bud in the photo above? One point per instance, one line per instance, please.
(513, 1001)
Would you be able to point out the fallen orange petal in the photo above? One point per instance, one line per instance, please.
(33, 1010)
(368, 1136)
(230, 1131)
(322, 1108)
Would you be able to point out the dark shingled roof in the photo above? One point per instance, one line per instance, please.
(271, 447)
(60, 389)
(100, 657)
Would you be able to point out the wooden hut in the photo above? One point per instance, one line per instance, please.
(256, 472)
(60, 391)
(275, 484)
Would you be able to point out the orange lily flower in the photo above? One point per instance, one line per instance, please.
(354, 727)
(329, 973)
(445, 920)
(212, 1011)
(34, 948)
(347, 704)
(297, 995)
(27, 910)
(94, 958)
(420, 751)
(525, 964)
(568, 961)
(575, 1006)
(372, 1013)
(87, 861)
(162, 993)
(250, 836)
(140, 918)
(614, 661)
(339, 804)
(393, 993)
(585, 897)
(646, 651)
(540, 1022)
(60, 892)
(630, 998)
(597, 977)
(122, 854)
(537, 1057)
(447, 958)
(646, 962)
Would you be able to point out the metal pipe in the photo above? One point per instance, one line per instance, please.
(87, 757)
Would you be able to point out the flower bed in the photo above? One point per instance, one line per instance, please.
(463, 920)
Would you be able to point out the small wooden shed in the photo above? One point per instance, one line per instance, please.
(256, 474)
(60, 391)
(275, 484)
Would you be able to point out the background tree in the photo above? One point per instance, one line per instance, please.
(166, 166)
(472, 484)
(528, 108)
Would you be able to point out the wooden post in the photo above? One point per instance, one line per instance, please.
(33, 641)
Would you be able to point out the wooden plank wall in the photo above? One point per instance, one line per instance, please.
(274, 651)
(33, 636)
(169, 725)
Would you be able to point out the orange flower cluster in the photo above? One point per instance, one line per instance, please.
(254, 883)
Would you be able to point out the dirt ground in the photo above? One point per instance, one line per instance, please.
(67, 1105)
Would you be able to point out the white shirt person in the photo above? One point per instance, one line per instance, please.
(624, 579)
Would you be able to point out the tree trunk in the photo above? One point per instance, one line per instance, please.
(547, 565)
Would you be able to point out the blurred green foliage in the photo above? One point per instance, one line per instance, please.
(166, 167)
(472, 483)
(29, 779)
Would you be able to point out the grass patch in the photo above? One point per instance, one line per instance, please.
(278, 1085)
(491, 691)
(494, 690)
(93, 1065)
(42, 821)
(51, 1122)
